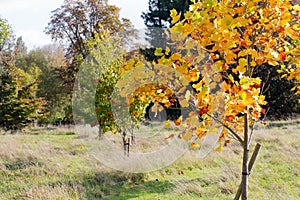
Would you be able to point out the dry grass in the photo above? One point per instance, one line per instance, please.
(54, 164)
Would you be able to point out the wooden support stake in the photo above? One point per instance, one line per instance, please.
(251, 163)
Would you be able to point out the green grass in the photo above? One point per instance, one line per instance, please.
(54, 164)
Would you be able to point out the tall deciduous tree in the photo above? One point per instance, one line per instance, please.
(19, 105)
(96, 81)
(44, 63)
(75, 22)
(7, 53)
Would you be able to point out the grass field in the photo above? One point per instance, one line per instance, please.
(53, 163)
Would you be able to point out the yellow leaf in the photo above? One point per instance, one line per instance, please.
(167, 124)
(243, 53)
(253, 63)
(240, 22)
(173, 12)
(184, 103)
(167, 51)
(242, 62)
(143, 98)
(253, 53)
(198, 86)
(131, 100)
(245, 83)
(175, 56)
(219, 148)
(226, 21)
(241, 67)
(159, 91)
(273, 63)
(296, 7)
(248, 100)
(195, 145)
(243, 96)
(291, 33)
(187, 29)
(261, 100)
(158, 52)
(182, 70)
(187, 136)
(187, 95)
(201, 132)
(231, 78)
(174, 15)
(175, 19)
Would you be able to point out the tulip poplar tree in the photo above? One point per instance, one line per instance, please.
(239, 36)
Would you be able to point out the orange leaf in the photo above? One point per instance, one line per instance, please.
(175, 56)
(177, 122)
(203, 110)
(230, 118)
(170, 136)
(282, 56)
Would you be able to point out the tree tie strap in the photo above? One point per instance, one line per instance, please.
(246, 173)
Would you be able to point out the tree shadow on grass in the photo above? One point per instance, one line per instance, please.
(122, 186)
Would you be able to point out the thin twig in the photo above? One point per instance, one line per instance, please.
(228, 128)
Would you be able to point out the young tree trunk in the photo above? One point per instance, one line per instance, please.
(250, 166)
(245, 170)
(100, 133)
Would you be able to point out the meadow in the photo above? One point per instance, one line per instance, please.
(53, 163)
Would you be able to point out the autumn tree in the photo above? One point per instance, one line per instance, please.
(281, 105)
(239, 37)
(44, 64)
(7, 50)
(96, 80)
(19, 105)
(75, 22)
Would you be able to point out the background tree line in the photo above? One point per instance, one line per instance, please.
(37, 85)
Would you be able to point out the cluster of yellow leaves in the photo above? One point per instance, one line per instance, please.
(144, 82)
(243, 97)
(153, 93)
(239, 36)
(245, 33)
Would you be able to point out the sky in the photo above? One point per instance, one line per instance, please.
(29, 18)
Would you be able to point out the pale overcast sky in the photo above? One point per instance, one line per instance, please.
(30, 17)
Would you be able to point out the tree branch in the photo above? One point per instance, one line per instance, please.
(228, 128)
